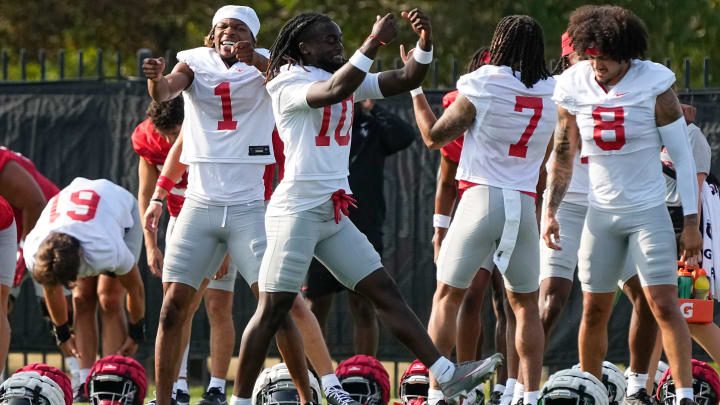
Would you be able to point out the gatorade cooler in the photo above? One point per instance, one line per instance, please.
(696, 311)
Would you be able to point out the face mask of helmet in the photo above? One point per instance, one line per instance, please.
(362, 390)
(567, 397)
(414, 388)
(702, 390)
(281, 393)
(110, 389)
(22, 396)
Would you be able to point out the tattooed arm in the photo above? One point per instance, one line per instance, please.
(437, 133)
(566, 135)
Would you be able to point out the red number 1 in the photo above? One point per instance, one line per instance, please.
(520, 148)
(223, 90)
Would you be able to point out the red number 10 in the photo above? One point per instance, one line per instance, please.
(223, 90)
(323, 139)
(520, 148)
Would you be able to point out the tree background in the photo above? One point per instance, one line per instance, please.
(678, 29)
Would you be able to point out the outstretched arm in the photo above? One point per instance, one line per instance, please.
(437, 133)
(161, 87)
(566, 136)
(21, 190)
(348, 78)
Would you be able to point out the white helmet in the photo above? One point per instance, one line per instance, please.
(30, 387)
(614, 381)
(275, 387)
(575, 385)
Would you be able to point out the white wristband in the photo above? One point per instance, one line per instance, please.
(416, 92)
(156, 202)
(421, 56)
(360, 61)
(441, 221)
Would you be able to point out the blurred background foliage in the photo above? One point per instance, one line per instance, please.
(678, 29)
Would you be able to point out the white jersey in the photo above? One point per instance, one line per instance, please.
(507, 141)
(227, 129)
(317, 140)
(619, 134)
(577, 192)
(95, 212)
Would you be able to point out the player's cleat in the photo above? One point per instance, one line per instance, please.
(469, 375)
(495, 397)
(336, 395)
(154, 402)
(475, 396)
(182, 397)
(80, 395)
(639, 398)
(213, 396)
(687, 401)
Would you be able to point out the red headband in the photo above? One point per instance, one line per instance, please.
(592, 51)
(485, 57)
(566, 44)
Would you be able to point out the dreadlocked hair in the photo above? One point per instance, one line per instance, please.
(478, 59)
(560, 66)
(518, 43)
(615, 32)
(286, 48)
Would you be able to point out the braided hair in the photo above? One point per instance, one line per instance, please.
(518, 43)
(286, 48)
(479, 59)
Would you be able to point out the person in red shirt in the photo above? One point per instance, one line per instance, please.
(8, 245)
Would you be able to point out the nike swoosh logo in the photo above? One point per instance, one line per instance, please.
(473, 371)
(621, 94)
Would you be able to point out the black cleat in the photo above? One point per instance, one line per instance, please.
(336, 395)
(639, 398)
(213, 396)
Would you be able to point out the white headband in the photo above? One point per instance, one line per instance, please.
(242, 13)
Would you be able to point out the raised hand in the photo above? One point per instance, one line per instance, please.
(244, 52)
(153, 68)
(385, 29)
(421, 25)
(405, 57)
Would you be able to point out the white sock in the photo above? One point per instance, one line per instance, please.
(531, 397)
(443, 370)
(499, 388)
(329, 380)
(509, 390)
(217, 383)
(239, 401)
(83, 373)
(435, 396)
(183, 364)
(174, 389)
(182, 384)
(681, 393)
(72, 363)
(635, 382)
(518, 393)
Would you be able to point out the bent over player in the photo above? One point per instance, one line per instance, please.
(313, 90)
(624, 110)
(88, 232)
(507, 111)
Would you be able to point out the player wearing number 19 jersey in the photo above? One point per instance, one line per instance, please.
(90, 230)
(507, 110)
(623, 110)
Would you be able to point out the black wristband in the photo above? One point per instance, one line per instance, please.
(62, 333)
(136, 331)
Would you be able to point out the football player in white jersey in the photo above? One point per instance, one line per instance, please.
(504, 107)
(313, 90)
(225, 144)
(89, 231)
(624, 110)
(557, 267)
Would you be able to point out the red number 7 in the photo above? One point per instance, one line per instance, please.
(519, 149)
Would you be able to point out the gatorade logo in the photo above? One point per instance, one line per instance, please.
(687, 309)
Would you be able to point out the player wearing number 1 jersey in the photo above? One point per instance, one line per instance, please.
(90, 230)
(501, 162)
(313, 90)
(624, 110)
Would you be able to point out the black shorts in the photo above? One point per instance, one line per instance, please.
(319, 281)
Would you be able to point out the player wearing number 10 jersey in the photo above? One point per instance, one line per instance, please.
(624, 110)
(90, 230)
(501, 162)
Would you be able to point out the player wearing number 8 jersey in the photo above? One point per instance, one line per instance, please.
(313, 99)
(623, 110)
(501, 161)
(90, 230)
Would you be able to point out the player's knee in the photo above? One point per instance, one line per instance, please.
(551, 306)
(664, 308)
(448, 296)
(473, 301)
(593, 313)
(110, 303)
(363, 310)
(85, 302)
(171, 314)
(218, 307)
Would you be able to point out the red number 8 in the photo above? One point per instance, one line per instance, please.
(615, 125)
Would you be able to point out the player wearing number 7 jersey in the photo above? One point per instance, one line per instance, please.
(90, 229)
(313, 90)
(501, 163)
(624, 110)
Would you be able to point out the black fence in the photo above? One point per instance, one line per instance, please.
(82, 128)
